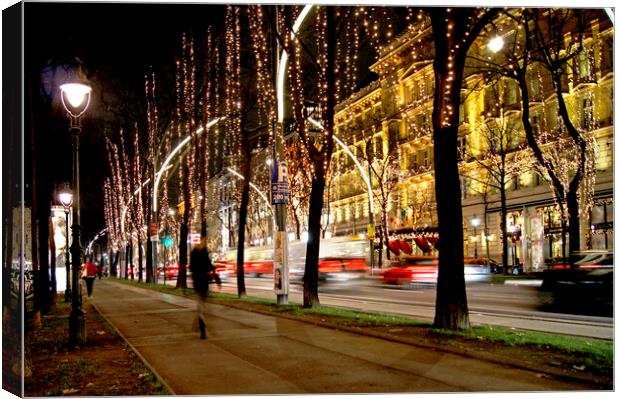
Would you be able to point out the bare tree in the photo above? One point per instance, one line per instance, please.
(299, 179)
(540, 62)
(322, 69)
(501, 157)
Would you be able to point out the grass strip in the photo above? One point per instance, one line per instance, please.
(595, 352)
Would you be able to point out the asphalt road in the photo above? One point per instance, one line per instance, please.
(489, 304)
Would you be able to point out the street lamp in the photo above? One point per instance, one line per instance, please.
(513, 230)
(475, 222)
(66, 199)
(75, 98)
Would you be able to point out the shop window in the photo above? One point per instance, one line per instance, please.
(394, 132)
(421, 122)
(412, 161)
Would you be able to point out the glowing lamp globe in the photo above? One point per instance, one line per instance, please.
(75, 98)
(66, 199)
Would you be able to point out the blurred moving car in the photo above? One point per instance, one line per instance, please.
(341, 260)
(479, 269)
(171, 271)
(258, 261)
(412, 270)
(421, 270)
(586, 287)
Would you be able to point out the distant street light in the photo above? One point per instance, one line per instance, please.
(475, 222)
(513, 230)
(66, 199)
(75, 98)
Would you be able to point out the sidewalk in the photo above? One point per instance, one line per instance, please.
(251, 353)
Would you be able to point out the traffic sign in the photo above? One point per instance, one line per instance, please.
(154, 229)
(279, 183)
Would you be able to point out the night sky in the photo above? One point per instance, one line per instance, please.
(117, 43)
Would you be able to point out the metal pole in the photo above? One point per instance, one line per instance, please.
(67, 261)
(280, 235)
(475, 242)
(154, 218)
(77, 328)
(371, 217)
(280, 219)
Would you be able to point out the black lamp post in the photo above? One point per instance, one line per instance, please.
(75, 98)
(66, 199)
(475, 222)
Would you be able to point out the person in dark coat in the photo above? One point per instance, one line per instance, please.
(201, 267)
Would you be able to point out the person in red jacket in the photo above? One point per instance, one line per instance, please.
(90, 272)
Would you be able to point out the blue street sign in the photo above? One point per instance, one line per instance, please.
(279, 183)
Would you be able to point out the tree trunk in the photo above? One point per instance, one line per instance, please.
(243, 216)
(149, 261)
(150, 268)
(114, 265)
(101, 251)
(385, 231)
(127, 260)
(131, 268)
(574, 239)
(451, 310)
(502, 193)
(139, 259)
(182, 276)
(297, 225)
(52, 247)
(311, 272)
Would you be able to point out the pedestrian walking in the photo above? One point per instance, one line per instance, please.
(90, 272)
(201, 267)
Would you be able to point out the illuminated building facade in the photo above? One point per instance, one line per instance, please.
(390, 123)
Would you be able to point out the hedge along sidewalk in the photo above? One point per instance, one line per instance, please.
(595, 353)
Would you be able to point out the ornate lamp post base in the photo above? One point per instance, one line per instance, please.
(77, 327)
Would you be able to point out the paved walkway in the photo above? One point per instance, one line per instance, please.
(251, 353)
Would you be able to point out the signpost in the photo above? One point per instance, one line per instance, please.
(279, 183)
(154, 231)
(279, 198)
